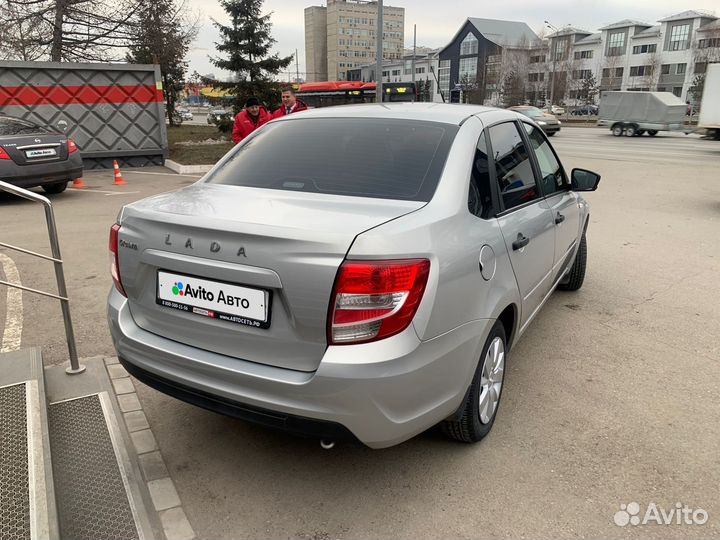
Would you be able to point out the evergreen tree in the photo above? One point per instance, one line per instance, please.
(246, 44)
(589, 89)
(164, 38)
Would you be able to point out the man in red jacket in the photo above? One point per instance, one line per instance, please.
(247, 121)
(290, 104)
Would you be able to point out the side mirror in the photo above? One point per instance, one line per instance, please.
(583, 180)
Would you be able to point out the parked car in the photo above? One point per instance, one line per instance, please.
(585, 110)
(215, 115)
(357, 271)
(185, 114)
(547, 122)
(555, 109)
(31, 155)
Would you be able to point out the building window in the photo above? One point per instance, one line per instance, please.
(444, 77)
(677, 90)
(469, 45)
(700, 67)
(468, 68)
(616, 44)
(560, 49)
(579, 74)
(536, 77)
(537, 59)
(396, 72)
(419, 70)
(679, 37)
(640, 71)
(579, 55)
(642, 49)
(680, 69)
(408, 67)
(709, 43)
(619, 72)
(665, 69)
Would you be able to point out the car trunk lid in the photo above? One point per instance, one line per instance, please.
(279, 250)
(33, 149)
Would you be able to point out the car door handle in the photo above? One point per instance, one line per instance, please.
(559, 219)
(521, 242)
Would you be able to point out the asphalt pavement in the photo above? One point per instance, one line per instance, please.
(611, 397)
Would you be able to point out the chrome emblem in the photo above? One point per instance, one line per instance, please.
(38, 140)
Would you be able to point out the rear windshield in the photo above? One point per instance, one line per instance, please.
(360, 157)
(532, 113)
(13, 126)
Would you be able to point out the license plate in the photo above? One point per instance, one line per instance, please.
(214, 299)
(41, 152)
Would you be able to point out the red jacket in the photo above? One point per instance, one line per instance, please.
(244, 124)
(299, 106)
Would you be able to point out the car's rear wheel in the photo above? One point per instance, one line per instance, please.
(54, 189)
(577, 272)
(477, 414)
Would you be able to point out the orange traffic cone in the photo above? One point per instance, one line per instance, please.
(118, 175)
(79, 184)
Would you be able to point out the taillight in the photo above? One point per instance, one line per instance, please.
(373, 300)
(72, 147)
(114, 260)
(4, 154)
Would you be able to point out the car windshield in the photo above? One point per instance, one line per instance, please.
(360, 157)
(15, 126)
(532, 112)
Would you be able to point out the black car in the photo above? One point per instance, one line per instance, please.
(31, 155)
(585, 110)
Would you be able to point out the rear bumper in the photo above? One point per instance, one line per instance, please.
(381, 393)
(550, 128)
(27, 176)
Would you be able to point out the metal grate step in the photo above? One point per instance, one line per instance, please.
(91, 484)
(14, 483)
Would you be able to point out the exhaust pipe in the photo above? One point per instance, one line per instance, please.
(327, 445)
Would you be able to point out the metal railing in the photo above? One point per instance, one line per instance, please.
(62, 295)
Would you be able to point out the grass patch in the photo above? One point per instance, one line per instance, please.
(196, 155)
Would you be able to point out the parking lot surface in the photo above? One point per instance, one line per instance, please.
(611, 396)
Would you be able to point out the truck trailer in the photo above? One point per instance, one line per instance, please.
(632, 113)
(709, 118)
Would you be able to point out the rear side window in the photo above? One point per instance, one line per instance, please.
(513, 167)
(360, 157)
(13, 126)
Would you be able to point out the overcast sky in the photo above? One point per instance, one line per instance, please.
(438, 20)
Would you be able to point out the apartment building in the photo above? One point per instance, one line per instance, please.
(341, 37)
(631, 55)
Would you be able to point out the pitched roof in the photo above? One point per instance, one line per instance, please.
(653, 31)
(568, 31)
(624, 24)
(505, 32)
(592, 38)
(690, 14)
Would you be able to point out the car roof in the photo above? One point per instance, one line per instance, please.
(431, 112)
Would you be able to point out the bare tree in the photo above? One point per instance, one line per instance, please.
(76, 30)
(20, 36)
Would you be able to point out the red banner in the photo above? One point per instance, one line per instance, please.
(77, 95)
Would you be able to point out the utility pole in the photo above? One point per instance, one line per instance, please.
(379, 42)
(297, 68)
(552, 74)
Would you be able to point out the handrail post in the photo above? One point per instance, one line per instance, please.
(75, 366)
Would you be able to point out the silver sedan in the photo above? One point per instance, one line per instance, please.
(351, 272)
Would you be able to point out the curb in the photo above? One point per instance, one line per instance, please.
(187, 169)
(165, 499)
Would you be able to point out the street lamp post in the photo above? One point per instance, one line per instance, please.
(379, 43)
(552, 73)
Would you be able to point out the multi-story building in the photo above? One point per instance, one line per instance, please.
(341, 37)
(632, 55)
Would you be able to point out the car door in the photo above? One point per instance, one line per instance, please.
(563, 202)
(526, 221)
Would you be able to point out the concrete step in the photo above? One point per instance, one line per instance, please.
(27, 500)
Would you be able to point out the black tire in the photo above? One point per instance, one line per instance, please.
(641, 133)
(466, 425)
(652, 132)
(551, 133)
(631, 130)
(618, 130)
(54, 189)
(577, 272)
